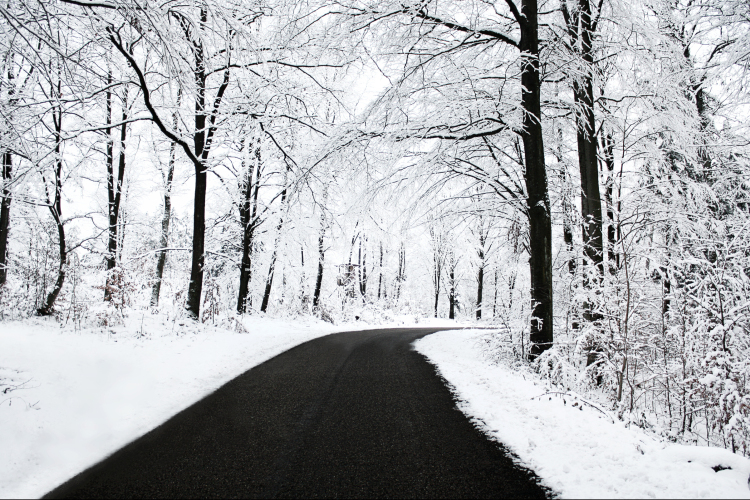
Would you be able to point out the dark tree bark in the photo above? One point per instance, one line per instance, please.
(277, 242)
(203, 134)
(452, 291)
(705, 121)
(540, 223)
(7, 177)
(304, 298)
(55, 208)
(380, 271)
(362, 261)
(350, 281)
(609, 161)
(438, 259)
(249, 222)
(480, 272)
(567, 205)
(269, 277)
(321, 260)
(110, 161)
(199, 200)
(480, 287)
(581, 26)
(494, 299)
(114, 186)
(401, 275)
(568, 228)
(167, 215)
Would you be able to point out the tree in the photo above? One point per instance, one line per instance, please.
(581, 25)
(166, 219)
(54, 203)
(249, 220)
(115, 182)
(452, 263)
(481, 233)
(440, 250)
(17, 74)
(321, 252)
(440, 37)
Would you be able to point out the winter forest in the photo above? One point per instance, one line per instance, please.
(573, 173)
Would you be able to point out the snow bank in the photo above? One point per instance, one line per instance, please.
(578, 451)
(69, 399)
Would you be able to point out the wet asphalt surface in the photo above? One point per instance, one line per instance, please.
(355, 414)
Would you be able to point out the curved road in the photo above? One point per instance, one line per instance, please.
(355, 414)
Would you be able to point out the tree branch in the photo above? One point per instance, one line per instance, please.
(457, 27)
(147, 98)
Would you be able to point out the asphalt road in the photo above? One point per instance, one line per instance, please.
(355, 414)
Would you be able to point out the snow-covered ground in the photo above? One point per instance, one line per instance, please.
(577, 450)
(69, 399)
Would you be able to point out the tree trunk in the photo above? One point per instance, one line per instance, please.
(49, 304)
(55, 208)
(269, 278)
(195, 287)
(167, 215)
(580, 29)
(114, 187)
(540, 224)
(400, 277)
(248, 214)
(591, 204)
(705, 121)
(362, 261)
(609, 161)
(7, 176)
(112, 217)
(198, 258)
(304, 298)
(437, 237)
(480, 273)
(567, 205)
(380, 271)
(452, 294)
(321, 261)
(277, 242)
(494, 299)
(164, 241)
(437, 272)
(202, 142)
(272, 266)
(480, 286)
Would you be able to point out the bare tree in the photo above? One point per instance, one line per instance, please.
(518, 28)
(440, 250)
(249, 220)
(167, 213)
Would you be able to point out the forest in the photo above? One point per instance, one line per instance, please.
(572, 173)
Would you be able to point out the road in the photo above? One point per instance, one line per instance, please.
(355, 414)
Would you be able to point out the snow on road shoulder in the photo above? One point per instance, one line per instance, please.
(69, 399)
(576, 450)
